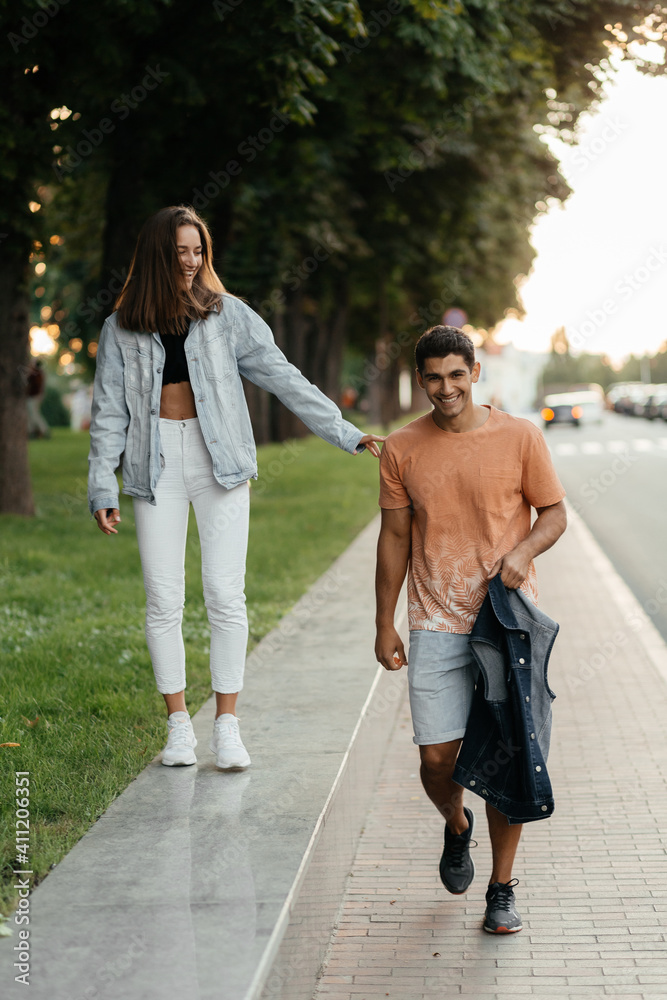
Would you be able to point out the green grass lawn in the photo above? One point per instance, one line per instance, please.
(76, 684)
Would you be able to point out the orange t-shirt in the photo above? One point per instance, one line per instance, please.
(471, 496)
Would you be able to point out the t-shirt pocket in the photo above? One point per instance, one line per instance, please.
(498, 491)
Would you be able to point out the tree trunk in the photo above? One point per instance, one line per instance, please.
(315, 344)
(15, 486)
(259, 407)
(338, 336)
(291, 333)
(330, 344)
(130, 199)
(383, 387)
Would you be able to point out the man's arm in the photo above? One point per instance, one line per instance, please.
(550, 524)
(392, 563)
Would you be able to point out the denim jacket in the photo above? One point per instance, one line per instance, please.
(227, 344)
(506, 744)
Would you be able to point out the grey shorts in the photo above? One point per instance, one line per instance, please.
(441, 680)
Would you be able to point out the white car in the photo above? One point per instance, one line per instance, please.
(576, 408)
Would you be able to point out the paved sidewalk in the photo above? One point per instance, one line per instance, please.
(193, 880)
(593, 878)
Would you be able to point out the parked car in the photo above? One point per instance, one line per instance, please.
(586, 407)
(640, 399)
(656, 402)
(630, 398)
(617, 393)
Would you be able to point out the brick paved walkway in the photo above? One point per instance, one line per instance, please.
(593, 878)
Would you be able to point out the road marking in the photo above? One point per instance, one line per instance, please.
(645, 445)
(566, 449)
(591, 448)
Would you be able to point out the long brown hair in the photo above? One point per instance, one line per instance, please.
(154, 296)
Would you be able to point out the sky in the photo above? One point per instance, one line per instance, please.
(601, 265)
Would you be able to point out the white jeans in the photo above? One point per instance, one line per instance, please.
(222, 522)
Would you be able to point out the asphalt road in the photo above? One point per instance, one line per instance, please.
(615, 474)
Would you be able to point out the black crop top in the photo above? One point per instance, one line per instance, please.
(175, 364)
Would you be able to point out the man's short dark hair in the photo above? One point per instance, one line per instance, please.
(441, 341)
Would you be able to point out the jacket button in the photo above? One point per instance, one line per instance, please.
(472, 784)
(152, 411)
(522, 635)
(538, 768)
(544, 809)
(527, 697)
(484, 791)
(532, 736)
(159, 370)
(522, 660)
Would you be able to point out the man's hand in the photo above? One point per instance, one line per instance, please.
(369, 440)
(106, 520)
(513, 567)
(389, 649)
(549, 526)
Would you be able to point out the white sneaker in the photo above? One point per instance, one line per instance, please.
(227, 745)
(180, 748)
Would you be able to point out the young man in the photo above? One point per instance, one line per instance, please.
(456, 491)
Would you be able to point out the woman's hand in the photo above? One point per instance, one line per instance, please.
(369, 440)
(106, 519)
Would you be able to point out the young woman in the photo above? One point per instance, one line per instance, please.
(168, 402)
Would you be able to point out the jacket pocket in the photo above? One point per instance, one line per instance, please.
(138, 371)
(497, 491)
(216, 358)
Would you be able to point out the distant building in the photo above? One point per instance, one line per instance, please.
(510, 379)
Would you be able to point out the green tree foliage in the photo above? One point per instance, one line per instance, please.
(563, 371)
(657, 367)
(362, 164)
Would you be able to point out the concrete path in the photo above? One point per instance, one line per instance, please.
(593, 878)
(205, 885)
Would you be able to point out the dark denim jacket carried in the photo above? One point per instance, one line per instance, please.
(504, 751)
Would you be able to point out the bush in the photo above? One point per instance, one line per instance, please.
(53, 409)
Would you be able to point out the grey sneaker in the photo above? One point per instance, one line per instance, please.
(501, 915)
(457, 869)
